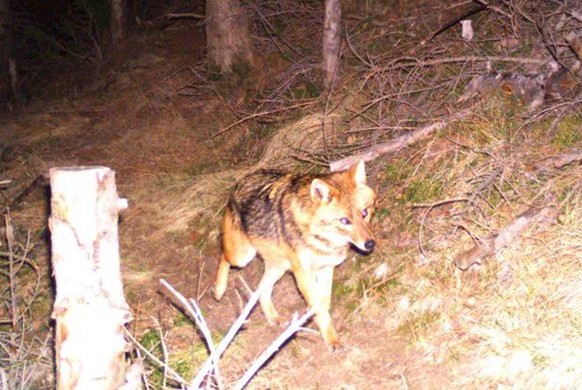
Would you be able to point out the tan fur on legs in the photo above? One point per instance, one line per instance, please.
(270, 277)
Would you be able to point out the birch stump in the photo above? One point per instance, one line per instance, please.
(90, 309)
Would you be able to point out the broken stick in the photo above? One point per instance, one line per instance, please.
(560, 161)
(495, 242)
(396, 144)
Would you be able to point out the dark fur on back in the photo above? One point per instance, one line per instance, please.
(261, 201)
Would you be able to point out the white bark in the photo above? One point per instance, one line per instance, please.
(331, 40)
(467, 30)
(90, 309)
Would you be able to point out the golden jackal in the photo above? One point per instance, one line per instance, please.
(299, 223)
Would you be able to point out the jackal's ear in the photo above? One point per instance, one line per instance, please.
(358, 172)
(320, 191)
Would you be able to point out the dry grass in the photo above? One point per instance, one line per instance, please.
(515, 321)
(527, 333)
(512, 322)
(202, 203)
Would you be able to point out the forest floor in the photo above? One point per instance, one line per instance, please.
(408, 317)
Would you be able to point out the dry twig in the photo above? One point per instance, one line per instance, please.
(495, 242)
(293, 327)
(396, 144)
(560, 161)
(259, 114)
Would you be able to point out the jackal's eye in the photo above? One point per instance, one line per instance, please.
(345, 221)
(364, 213)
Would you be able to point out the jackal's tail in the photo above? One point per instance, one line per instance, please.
(221, 278)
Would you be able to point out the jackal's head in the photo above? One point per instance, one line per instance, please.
(345, 206)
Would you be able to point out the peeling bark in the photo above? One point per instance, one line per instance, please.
(90, 309)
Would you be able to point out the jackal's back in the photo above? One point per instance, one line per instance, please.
(265, 203)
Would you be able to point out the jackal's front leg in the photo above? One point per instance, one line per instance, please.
(271, 276)
(316, 289)
(324, 279)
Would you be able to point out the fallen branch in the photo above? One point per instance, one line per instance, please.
(475, 9)
(15, 191)
(194, 311)
(209, 364)
(274, 347)
(407, 62)
(495, 9)
(259, 114)
(185, 16)
(560, 161)
(495, 242)
(575, 42)
(167, 369)
(396, 144)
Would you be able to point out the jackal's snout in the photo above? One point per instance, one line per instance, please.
(370, 245)
(365, 243)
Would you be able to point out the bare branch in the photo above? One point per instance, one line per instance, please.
(495, 242)
(273, 348)
(396, 144)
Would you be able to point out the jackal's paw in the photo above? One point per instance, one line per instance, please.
(337, 346)
(277, 320)
(219, 291)
(332, 341)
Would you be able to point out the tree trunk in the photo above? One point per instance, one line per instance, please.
(5, 45)
(331, 40)
(228, 37)
(118, 19)
(90, 309)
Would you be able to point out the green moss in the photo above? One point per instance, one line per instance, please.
(203, 167)
(395, 173)
(185, 362)
(182, 320)
(568, 133)
(41, 305)
(279, 26)
(347, 294)
(423, 191)
(151, 341)
(305, 90)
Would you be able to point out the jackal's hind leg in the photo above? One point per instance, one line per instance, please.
(236, 251)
